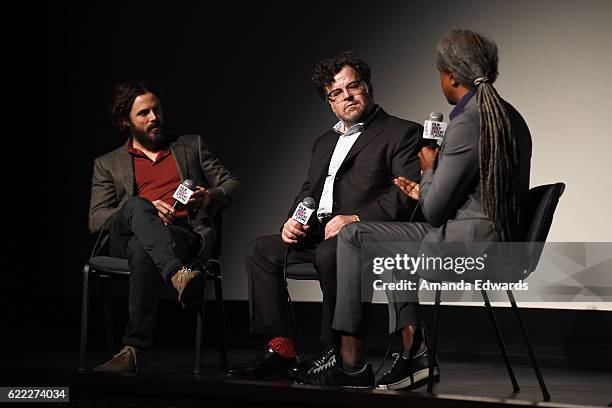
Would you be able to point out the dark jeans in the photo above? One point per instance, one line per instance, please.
(154, 252)
(268, 304)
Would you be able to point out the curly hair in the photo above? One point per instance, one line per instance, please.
(326, 69)
(122, 99)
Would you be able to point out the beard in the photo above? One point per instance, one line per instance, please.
(150, 140)
(356, 115)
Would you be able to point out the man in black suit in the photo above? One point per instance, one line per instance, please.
(350, 177)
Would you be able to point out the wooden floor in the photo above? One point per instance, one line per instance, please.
(463, 384)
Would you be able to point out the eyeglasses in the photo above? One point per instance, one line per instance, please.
(354, 88)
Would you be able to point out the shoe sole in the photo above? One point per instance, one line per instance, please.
(145, 371)
(273, 377)
(365, 387)
(420, 378)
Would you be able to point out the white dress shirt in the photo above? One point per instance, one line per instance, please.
(346, 139)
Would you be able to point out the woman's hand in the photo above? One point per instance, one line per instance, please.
(408, 187)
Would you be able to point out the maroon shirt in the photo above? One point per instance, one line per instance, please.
(156, 180)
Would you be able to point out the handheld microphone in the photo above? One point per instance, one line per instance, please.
(183, 192)
(434, 129)
(304, 210)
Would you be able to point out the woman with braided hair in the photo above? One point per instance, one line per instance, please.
(472, 189)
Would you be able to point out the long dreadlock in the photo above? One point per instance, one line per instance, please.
(473, 60)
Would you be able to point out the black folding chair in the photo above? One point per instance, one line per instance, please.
(302, 271)
(542, 201)
(105, 268)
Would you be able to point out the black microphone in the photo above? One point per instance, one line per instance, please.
(304, 210)
(434, 129)
(183, 192)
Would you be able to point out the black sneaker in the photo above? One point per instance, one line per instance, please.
(298, 370)
(408, 373)
(331, 374)
(268, 365)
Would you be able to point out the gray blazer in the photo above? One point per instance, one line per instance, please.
(112, 183)
(450, 194)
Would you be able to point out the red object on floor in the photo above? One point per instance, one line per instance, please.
(283, 346)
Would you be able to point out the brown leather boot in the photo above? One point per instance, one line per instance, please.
(189, 285)
(129, 360)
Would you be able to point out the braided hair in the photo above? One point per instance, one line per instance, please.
(473, 60)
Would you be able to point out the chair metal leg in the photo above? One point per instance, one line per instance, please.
(108, 315)
(199, 333)
(84, 320)
(500, 341)
(223, 334)
(432, 352)
(528, 346)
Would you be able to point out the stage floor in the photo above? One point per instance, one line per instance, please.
(171, 383)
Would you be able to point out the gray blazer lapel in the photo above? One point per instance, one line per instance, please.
(180, 156)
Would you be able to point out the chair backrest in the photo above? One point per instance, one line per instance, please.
(542, 202)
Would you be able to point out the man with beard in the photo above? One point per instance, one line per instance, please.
(131, 200)
(350, 177)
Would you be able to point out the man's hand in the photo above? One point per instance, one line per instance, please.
(293, 230)
(334, 226)
(427, 157)
(165, 211)
(408, 187)
(199, 199)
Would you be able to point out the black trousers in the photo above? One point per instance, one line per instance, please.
(154, 252)
(265, 257)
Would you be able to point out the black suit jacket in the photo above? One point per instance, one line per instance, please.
(387, 148)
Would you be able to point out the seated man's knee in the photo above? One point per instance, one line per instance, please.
(255, 248)
(350, 232)
(138, 203)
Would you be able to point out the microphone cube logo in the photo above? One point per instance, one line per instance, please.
(182, 194)
(434, 130)
(302, 214)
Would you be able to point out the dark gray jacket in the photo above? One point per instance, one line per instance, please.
(450, 195)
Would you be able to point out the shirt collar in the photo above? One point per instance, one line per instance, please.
(131, 149)
(163, 152)
(461, 104)
(358, 127)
